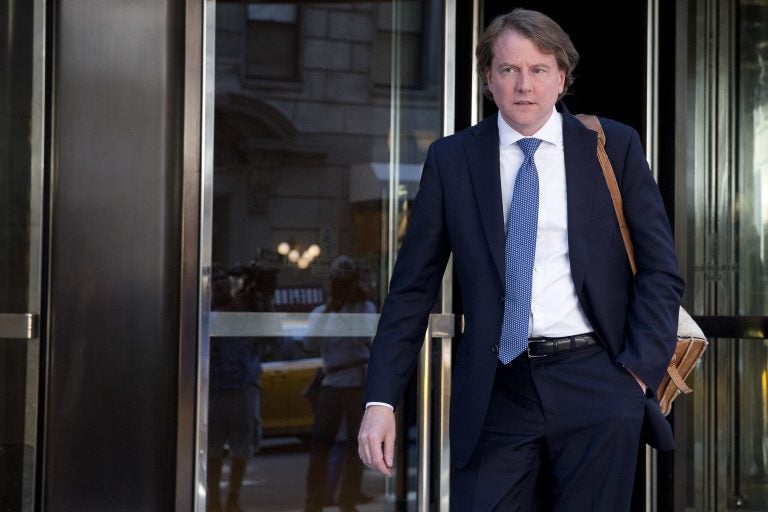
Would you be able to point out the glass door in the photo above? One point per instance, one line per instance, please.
(21, 128)
(323, 112)
(722, 428)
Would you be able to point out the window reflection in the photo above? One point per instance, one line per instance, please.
(407, 23)
(319, 138)
(271, 26)
(753, 155)
(751, 476)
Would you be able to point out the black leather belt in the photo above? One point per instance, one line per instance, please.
(542, 347)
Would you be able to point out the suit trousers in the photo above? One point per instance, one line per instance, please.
(561, 434)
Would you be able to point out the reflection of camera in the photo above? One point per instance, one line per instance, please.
(220, 289)
(255, 286)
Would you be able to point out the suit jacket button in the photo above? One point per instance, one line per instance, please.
(501, 299)
(495, 349)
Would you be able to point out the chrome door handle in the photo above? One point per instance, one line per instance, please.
(18, 326)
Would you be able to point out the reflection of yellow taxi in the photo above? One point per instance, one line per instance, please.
(284, 411)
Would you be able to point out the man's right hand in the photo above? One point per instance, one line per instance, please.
(376, 440)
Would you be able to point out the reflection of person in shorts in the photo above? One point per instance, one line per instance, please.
(234, 377)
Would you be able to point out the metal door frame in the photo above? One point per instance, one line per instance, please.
(200, 69)
(25, 326)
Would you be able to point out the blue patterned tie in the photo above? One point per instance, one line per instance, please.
(519, 254)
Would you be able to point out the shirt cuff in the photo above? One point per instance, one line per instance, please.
(368, 404)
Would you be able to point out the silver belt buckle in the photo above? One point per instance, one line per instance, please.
(533, 356)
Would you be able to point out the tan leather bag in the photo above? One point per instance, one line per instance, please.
(691, 341)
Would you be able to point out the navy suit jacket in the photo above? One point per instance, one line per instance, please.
(458, 210)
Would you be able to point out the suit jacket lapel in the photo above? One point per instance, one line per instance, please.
(483, 160)
(582, 174)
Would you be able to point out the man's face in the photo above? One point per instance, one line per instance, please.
(525, 82)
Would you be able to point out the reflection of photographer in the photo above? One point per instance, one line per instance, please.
(258, 283)
(233, 419)
(341, 392)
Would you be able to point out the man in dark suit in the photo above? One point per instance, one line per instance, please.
(562, 349)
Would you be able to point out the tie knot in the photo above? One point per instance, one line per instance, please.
(529, 145)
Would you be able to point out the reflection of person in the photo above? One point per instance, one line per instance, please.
(234, 375)
(558, 427)
(259, 282)
(341, 392)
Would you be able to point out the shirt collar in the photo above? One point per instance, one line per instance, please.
(551, 132)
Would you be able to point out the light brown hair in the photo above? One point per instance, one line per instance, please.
(545, 33)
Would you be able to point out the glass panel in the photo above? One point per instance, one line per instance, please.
(753, 158)
(15, 156)
(751, 416)
(409, 33)
(20, 197)
(723, 456)
(318, 151)
(271, 26)
(751, 432)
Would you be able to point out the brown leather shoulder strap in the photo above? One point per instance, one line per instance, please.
(593, 123)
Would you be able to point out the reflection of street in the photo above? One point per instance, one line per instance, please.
(276, 480)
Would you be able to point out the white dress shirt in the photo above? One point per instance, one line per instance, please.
(555, 309)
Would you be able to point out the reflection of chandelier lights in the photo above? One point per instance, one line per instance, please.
(300, 259)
